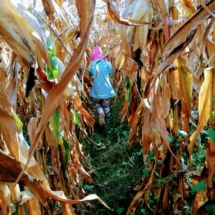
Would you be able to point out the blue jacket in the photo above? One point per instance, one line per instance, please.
(102, 88)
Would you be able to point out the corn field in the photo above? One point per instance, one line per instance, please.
(163, 57)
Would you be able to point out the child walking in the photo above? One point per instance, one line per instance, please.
(102, 89)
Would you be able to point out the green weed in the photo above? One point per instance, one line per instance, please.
(116, 167)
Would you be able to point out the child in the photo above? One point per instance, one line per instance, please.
(102, 89)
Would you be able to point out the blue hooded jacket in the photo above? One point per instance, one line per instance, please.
(100, 69)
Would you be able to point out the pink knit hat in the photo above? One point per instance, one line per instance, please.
(96, 53)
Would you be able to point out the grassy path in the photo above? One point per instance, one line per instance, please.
(116, 169)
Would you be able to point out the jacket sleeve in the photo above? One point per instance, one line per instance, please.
(110, 67)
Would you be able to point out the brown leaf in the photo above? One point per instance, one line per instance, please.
(55, 156)
(163, 6)
(10, 169)
(5, 199)
(66, 210)
(198, 39)
(166, 96)
(210, 50)
(3, 98)
(59, 195)
(59, 2)
(15, 192)
(124, 110)
(124, 21)
(118, 59)
(22, 35)
(200, 200)
(173, 55)
(15, 34)
(204, 106)
(85, 10)
(134, 202)
(32, 29)
(185, 31)
(183, 78)
(126, 45)
(87, 117)
(153, 53)
(66, 36)
(8, 132)
(33, 168)
(188, 6)
(12, 87)
(56, 93)
(141, 32)
(33, 206)
(159, 121)
(7, 125)
(49, 9)
(147, 136)
(135, 119)
(165, 199)
(210, 162)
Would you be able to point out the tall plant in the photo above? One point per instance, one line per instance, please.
(167, 80)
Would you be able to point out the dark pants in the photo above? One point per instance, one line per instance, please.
(103, 108)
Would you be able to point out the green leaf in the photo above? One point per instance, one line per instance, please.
(213, 99)
(150, 156)
(51, 74)
(159, 162)
(171, 114)
(18, 122)
(54, 65)
(137, 96)
(53, 71)
(143, 211)
(120, 210)
(76, 119)
(87, 187)
(55, 125)
(67, 149)
(214, 178)
(128, 88)
(170, 138)
(211, 133)
(122, 197)
(210, 208)
(198, 187)
(146, 172)
(200, 156)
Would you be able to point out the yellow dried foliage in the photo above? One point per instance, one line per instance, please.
(160, 83)
(204, 106)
